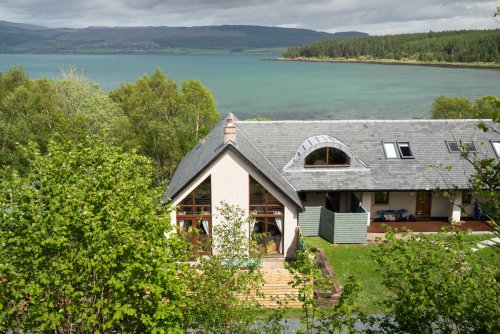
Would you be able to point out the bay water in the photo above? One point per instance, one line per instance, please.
(249, 86)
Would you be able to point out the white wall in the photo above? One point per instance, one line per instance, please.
(230, 183)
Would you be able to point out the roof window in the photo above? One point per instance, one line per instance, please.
(390, 150)
(496, 146)
(453, 146)
(405, 150)
(468, 146)
(397, 150)
(457, 147)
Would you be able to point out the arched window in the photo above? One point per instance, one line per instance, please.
(327, 157)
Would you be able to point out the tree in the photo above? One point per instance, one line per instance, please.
(451, 107)
(86, 109)
(166, 122)
(484, 183)
(438, 285)
(28, 112)
(448, 107)
(44, 109)
(83, 246)
(222, 297)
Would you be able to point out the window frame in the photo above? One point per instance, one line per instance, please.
(386, 197)
(463, 143)
(327, 158)
(493, 142)
(466, 197)
(448, 142)
(270, 212)
(401, 155)
(196, 218)
(395, 149)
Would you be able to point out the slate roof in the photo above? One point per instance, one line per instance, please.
(270, 146)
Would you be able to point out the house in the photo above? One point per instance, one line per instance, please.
(331, 178)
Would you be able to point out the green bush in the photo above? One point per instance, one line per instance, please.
(82, 245)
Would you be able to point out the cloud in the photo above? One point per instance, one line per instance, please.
(372, 16)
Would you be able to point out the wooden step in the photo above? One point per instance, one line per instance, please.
(277, 288)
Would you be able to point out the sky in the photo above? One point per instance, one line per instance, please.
(376, 17)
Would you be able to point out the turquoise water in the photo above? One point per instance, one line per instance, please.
(249, 87)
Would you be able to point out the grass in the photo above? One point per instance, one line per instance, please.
(357, 260)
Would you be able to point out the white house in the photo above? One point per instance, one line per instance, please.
(331, 178)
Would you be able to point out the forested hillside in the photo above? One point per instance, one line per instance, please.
(449, 46)
(22, 38)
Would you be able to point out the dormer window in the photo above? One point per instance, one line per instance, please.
(327, 157)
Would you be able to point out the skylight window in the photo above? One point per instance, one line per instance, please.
(390, 150)
(459, 146)
(453, 146)
(405, 150)
(496, 146)
(469, 146)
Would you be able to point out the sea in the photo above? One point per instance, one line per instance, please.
(251, 86)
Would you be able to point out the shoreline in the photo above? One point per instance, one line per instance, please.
(389, 62)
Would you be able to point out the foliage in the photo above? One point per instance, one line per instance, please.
(43, 109)
(485, 181)
(83, 247)
(85, 107)
(222, 297)
(448, 107)
(309, 279)
(451, 107)
(450, 46)
(165, 122)
(438, 285)
(151, 114)
(356, 260)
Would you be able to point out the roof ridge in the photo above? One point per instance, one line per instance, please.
(263, 155)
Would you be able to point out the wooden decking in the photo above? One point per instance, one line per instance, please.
(429, 226)
(278, 289)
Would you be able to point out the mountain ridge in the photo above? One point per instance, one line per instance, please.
(27, 38)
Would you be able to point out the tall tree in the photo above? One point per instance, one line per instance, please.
(166, 122)
(438, 285)
(83, 245)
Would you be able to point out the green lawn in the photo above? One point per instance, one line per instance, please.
(357, 260)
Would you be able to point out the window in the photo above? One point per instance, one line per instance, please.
(496, 146)
(194, 212)
(457, 147)
(468, 146)
(268, 214)
(405, 150)
(382, 197)
(466, 197)
(390, 150)
(327, 157)
(453, 146)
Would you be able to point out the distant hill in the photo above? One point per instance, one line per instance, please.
(19, 38)
(464, 46)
